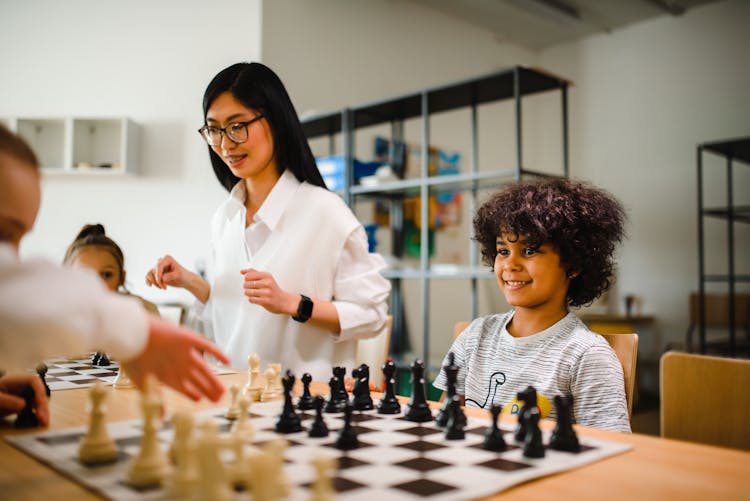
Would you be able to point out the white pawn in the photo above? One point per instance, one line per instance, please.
(278, 388)
(243, 426)
(150, 466)
(254, 384)
(269, 392)
(322, 488)
(97, 447)
(234, 410)
(122, 381)
(182, 453)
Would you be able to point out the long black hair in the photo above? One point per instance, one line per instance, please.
(256, 86)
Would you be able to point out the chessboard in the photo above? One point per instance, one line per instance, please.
(70, 373)
(396, 459)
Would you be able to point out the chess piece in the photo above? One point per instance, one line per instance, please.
(318, 428)
(278, 388)
(289, 421)
(322, 488)
(243, 425)
(389, 403)
(96, 357)
(361, 400)
(269, 391)
(184, 477)
(418, 410)
(305, 402)
(212, 482)
(103, 360)
(528, 397)
(454, 429)
(97, 447)
(451, 376)
(563, 437)
(254, 386)
(41, 370)
(341, 396)
(267, 479)
(122, 381)
(27, 417)
(532, 444)
(233, 412)
(150, 466)
(335, 403)
(347, 439)
(493, 437)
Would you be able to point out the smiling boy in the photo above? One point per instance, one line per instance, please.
(551, 245)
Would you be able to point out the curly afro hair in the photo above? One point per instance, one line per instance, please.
(583, 223)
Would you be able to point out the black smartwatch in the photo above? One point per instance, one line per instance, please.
(304, 310)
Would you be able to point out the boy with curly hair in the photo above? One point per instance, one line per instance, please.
(551, 245)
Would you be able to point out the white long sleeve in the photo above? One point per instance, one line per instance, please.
(46, 310)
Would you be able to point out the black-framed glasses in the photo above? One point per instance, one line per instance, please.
(235, 132)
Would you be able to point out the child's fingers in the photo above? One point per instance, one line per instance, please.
(11, 404)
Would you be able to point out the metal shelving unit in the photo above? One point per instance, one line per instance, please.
(735, 152)
(511, 84)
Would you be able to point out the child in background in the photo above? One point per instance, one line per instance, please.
(551, 244)
(92, 248)
(47, 310)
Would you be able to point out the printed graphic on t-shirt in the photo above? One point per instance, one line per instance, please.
(497, 379)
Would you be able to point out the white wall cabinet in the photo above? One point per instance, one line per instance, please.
(85, 145)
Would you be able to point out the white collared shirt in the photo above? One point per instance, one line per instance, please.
(360, 291)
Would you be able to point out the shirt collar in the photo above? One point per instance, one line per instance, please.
(274, 204)
(278, 199)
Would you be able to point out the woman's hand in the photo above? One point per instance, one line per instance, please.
(168, 272)
(261, 289)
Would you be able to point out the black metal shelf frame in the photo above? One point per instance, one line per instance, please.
(512, 83)
(732, 150)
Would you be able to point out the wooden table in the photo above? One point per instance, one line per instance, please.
(655, 468)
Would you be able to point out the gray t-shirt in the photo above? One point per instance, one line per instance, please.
(565, 359)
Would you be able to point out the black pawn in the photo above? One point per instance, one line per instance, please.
(493, 437)
(389, 403)
(305, 402)
(289, 421)
(454, 430)
(361, 400)
(563, 437)
(103, 360)
(318, 428)
(418, 410)
(27, 417)
(451, 376)
(528, 397)
(532, 444)
(41, 369)
(348, 436)
(96, 357)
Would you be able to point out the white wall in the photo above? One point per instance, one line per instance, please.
(644, 97)
(147, 60)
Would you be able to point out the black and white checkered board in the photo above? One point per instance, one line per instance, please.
(65, 374)
(397, 459)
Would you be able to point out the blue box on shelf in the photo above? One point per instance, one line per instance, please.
(332, 169)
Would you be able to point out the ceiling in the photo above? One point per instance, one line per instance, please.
(537, 24)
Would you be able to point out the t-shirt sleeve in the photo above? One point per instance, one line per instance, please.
(598, 390)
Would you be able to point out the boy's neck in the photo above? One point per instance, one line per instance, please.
(528, 321)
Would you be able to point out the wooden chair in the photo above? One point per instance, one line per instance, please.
(625, 347)
(705, 399)
(373, 351)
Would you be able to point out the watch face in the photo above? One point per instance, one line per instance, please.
(304, 310)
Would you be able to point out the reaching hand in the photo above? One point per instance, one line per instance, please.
(261, 289)
(13, 385)
(173, 355)
(168, 272)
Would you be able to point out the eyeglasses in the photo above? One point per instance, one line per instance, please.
(235, 132)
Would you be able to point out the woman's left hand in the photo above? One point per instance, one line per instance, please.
(261, 289)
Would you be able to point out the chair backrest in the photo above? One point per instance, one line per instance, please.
(705, 399)
(373, 351)
(625, 347)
